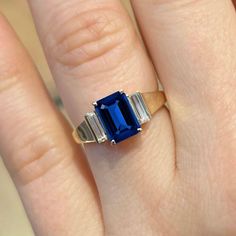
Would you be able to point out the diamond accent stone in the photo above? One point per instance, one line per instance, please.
(96, 127)
(138, 104)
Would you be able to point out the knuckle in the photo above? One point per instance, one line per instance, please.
(94, 35)
(35, 157)
(7, 83)
(9, 77)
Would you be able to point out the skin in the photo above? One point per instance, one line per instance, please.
(179, 177)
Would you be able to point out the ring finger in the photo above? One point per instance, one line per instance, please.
(93, 50)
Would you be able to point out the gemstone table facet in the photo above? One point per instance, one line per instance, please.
(117, 117)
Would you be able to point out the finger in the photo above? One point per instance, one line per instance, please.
(50, 173)
(94, 51)
(192, 44)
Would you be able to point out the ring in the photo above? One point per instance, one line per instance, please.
(118, 117)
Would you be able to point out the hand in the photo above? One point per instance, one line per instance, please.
(176, 179)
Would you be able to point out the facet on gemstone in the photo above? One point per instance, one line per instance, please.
(138, 104)
(96, 127)
(117, 117)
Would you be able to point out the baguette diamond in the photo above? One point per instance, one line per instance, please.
(96, 127)
(138, 104)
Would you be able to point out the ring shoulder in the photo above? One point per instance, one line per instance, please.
(154, 100)
(83, 134)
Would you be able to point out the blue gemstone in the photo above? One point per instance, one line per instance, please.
(117, 117)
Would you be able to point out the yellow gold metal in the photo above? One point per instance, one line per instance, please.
(76, 137)
(154, 100)
(83, 134)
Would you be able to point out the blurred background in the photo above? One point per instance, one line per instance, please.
(13, 220)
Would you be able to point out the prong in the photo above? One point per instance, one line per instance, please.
(113, 142)
(121, 91)
(140, 129)
(95, 104)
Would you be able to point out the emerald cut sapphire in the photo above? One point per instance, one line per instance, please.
(117, 117)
